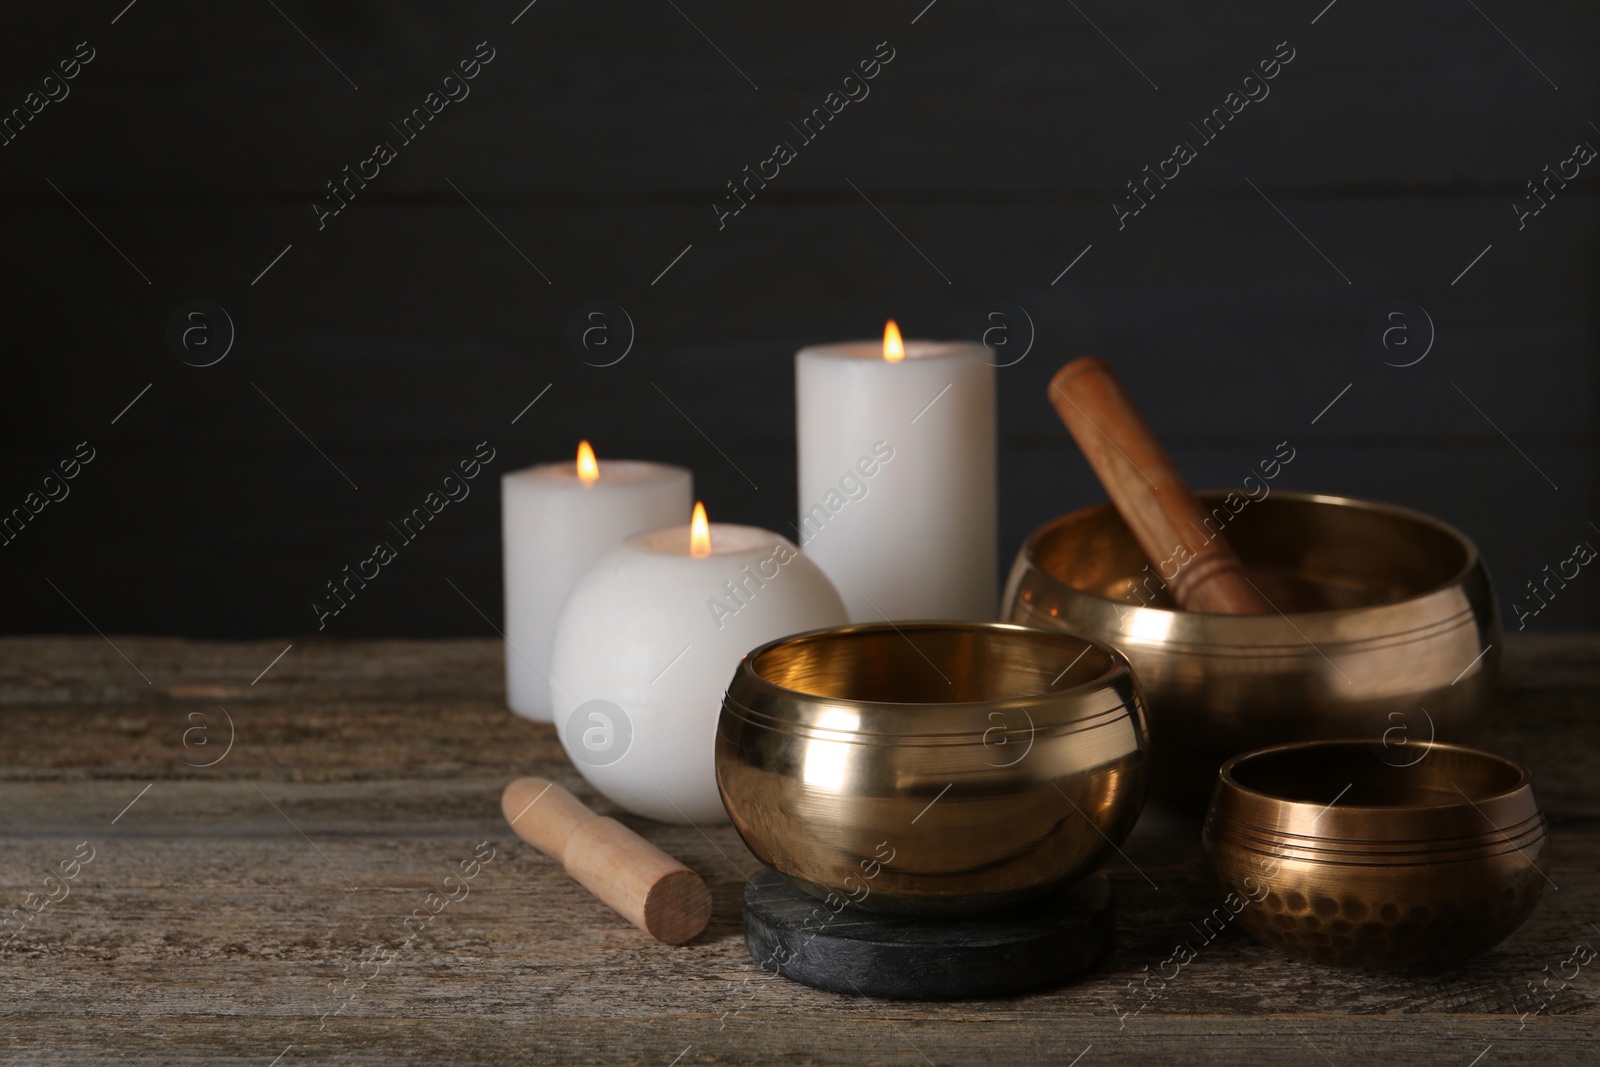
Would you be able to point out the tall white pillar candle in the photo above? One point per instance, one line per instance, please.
(897, 476)
(647, 644)
(555, 522)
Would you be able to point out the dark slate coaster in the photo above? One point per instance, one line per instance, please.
(1025, 949)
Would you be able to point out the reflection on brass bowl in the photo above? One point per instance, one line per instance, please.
(932, 768)
(1384, 619)
(1342, 858)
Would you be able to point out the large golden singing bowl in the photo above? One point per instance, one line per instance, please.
(1384, 618)
(932, 768)
(1336, 855)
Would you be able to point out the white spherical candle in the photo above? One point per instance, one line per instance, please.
(646, 646)
(897, 476)
(557, 519)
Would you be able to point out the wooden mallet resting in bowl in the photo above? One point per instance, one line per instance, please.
(1149, 491)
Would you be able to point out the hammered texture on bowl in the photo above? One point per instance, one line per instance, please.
(1401, 867)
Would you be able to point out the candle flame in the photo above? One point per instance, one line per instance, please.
(894, 350)
(588, 469)
(699, 533)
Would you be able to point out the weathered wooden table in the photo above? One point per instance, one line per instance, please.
(249, 904)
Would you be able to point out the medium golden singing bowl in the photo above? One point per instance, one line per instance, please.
(1384, 619)
(932, 768)
(1337, 855)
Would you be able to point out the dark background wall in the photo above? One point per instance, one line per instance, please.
(412, 327)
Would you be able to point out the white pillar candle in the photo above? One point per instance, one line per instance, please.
(555, 522)
(647, 645)
(897, 476)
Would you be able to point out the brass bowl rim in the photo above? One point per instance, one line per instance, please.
(1473, 558)
(1225, 776)
(816, 835)
(747, 673)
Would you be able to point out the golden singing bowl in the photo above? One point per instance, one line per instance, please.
(1334, 853)
(1384, 619)
(932, 768)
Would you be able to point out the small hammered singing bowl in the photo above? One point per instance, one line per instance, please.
(1340, 856)
(1386, 627)
(932, 768)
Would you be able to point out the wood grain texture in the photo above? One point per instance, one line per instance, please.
(231, 910)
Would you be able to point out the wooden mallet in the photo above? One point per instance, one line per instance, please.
(640, 882)
(1150, 493)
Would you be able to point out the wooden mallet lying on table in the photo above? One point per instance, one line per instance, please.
(1149, 491)
(636, 879)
